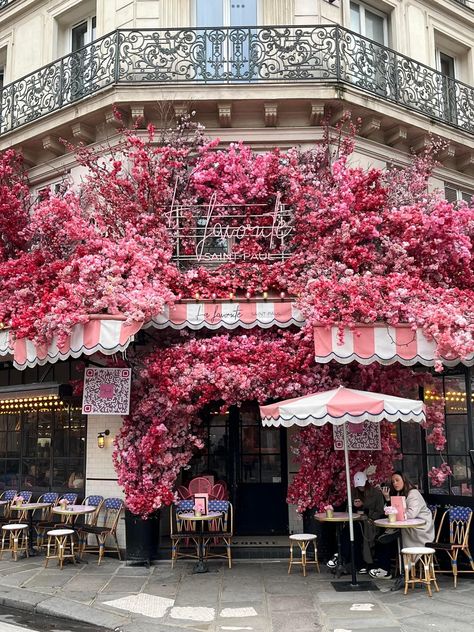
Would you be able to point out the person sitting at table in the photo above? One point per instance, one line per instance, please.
(416, 507)
(367, 500)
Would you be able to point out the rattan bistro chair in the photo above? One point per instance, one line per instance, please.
(459, 528)
(111, 510)
(182, 532)
(221, 531)
(8, 494)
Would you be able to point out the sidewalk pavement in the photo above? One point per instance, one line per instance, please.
(252, 596)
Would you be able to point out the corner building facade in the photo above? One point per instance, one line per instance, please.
(267, 72)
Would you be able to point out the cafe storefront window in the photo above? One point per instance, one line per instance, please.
(42, 436)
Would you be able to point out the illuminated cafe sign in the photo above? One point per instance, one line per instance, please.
(212, 233)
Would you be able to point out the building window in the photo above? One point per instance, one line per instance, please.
(83, 33)
(3, 65)
(42, 449)
(453, 389)
(214, 13)
(369, 22)
(46, 190)
(454, 194)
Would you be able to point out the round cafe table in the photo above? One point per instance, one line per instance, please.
(412, 523)
(200, 566)
(339, 518)
(29, 509)
(72, 512)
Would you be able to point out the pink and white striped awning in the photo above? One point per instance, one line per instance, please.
(379, 343)
(108, 335)
(213, 315)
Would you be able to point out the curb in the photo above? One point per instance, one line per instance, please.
(50, 605)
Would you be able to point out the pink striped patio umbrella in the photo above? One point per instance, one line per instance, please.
(341, 406)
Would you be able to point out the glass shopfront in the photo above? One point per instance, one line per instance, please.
(42, 436)
(419, 456)
(252, 461)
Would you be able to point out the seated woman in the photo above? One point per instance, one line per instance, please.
(367, 500)
(416, 508)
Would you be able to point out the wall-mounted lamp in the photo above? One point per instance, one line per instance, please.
(101, 438)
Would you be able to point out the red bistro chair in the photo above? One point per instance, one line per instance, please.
(183, 492)
(218, 492)
(200, 485)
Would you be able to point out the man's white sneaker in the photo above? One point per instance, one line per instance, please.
(333, 561)
(379, 573)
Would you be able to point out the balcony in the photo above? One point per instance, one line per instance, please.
(329, 55)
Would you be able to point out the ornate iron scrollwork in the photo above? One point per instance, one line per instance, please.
(286, 54)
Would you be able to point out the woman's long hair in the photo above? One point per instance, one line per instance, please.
(407, 484)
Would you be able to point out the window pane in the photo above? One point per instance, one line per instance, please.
(217, 440)
(455, 394)
(271, 468)
(270, 438)
(461, 478)
(243, 13)
(250, 439)
(11, 477)
(411, 438)
(412, 467)
(35, 474)
(374, 27)
(209, 13)
(355, 17)
(456, 430)
(79, 36)
(68, 474)
(435, 461)
(250, 469)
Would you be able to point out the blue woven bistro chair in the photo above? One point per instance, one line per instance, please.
(111, 510)
(459, 527)
(9, 495)
(44, 519)
(221, 531)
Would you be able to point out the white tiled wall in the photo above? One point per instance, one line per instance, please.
(294, 518)
(101, 477)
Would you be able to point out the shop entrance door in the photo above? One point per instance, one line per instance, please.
(252, 461)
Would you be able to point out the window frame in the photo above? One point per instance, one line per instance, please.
(362, 9)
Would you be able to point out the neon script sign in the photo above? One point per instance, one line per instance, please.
(214, 233)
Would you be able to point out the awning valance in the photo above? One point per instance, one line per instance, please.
(379, 343)
(108, 335)
(213, 315)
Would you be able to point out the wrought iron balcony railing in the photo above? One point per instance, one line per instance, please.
(248, 55)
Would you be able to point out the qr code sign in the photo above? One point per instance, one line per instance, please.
(106, 391)
(368, 439)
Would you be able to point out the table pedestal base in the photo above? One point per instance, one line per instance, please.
(348, 586)
(200, 567)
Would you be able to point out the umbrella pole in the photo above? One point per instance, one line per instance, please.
(349, 503)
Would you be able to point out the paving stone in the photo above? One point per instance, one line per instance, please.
(125, 584)
(134, 571)
(161, 589)
(368, 625)
(290, 622)
(424, 623)
(358, 609)
(293, 603)
(284, 588)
